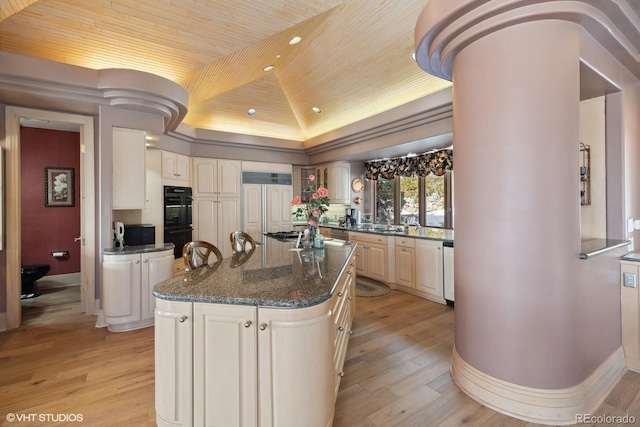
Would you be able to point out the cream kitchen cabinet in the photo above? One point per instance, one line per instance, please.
(278, 208)
(371, 255)
(449, 291)
(335, 177)
(174, 363)
(128, 169)
(405, 262)
(128, 280)
(429, 269)
(214, 220)
(339, 184)
(246, 384)
(175, 169)
(214, 178)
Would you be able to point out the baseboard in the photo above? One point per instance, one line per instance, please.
(556, 407)
(3, 322)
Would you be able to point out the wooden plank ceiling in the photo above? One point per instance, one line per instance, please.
(353, 61)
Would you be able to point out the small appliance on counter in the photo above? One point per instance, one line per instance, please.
(140, 234)
(118, 234)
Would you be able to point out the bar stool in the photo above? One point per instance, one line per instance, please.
(196, 254)
(240, 240)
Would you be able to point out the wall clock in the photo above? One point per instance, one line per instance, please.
(357, 185)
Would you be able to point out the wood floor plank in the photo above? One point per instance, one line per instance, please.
(396, 372)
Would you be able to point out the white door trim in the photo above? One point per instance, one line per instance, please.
(13, 116)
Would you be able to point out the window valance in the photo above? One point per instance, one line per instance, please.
(435, 162)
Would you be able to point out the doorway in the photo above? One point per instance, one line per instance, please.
(86, 198)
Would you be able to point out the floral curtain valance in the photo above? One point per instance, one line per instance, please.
(435, 162)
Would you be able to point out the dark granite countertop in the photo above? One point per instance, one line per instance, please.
(273, 275)
(428, 233)
(128, 250)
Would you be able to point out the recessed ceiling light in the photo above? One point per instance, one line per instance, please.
(316, 110)
(295, 40)
(268, 68)
(251, 111)
(413, 56)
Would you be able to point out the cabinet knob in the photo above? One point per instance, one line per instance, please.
(263, 326)
(182, 318)
(145, 261)
(247, 323)
(341, 374)
(136, 261)
(341, 328)
(349, 297)
(351, 332)
(339, 294)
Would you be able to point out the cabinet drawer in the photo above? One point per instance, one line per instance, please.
(368, 238)
(405, 242)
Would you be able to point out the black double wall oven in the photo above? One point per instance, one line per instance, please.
(178, 202)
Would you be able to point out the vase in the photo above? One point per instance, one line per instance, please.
(313, 232)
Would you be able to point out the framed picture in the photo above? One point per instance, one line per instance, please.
(58, 187)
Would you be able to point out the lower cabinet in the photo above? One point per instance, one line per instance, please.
(371, 255)
(447, 253)
(234, 365)
(128, 281)
(405, 262)
(429, 270)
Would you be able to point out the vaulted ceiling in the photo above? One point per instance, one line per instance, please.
(353, 60)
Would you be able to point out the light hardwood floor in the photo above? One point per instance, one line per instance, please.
(396, 373)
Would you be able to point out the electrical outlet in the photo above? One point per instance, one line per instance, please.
(630, 226)
(629, 280)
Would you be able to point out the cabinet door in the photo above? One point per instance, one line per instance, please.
(182, 168)
(173, 363)
(156, 267)
(169, 165)
(376, 262)
(278, 208)
(449, 293)
(225, 365)
(252, 210)
(339, 183)
(121, 290)
(205, 176)
(405, 266)
(229, 178)
(205, 220)
(228, 222)
(295, 366)
(429, 269)
(128, 169)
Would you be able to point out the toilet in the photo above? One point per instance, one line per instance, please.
(31, 273)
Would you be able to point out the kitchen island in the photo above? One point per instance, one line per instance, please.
(255, 339)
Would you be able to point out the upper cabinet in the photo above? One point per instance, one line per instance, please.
(175, 169)
(339, 184)
(128, 169)
(335, 177)
(213, 178)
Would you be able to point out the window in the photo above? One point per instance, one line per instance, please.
(409, 200)
(385, 201)
(415, 200)
(434, 196)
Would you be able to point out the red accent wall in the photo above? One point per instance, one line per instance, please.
(48, 229)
